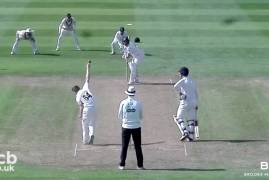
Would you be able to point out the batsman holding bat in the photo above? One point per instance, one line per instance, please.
(85, 100)
(186, 118)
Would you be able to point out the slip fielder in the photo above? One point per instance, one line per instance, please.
(67, 26)
(27, 34)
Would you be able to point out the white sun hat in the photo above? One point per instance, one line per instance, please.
(130, 91)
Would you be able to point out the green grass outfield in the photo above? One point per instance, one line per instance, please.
(220, 41)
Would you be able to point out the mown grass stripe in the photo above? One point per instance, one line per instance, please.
(107, 11)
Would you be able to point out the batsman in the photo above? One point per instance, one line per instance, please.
(186, 118)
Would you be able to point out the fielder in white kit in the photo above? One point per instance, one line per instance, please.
(188, 105)
(27, 34)
(67, 26)
(85, 100)
(134, 56)
(118, 39)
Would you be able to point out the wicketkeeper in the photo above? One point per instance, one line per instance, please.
(27, 34)
(186, 117)
(118, 39)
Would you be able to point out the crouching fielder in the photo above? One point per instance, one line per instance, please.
(27, 34)
(133, 56)
(85, 100)
(67, 26)
(186, 117)
(118, 39)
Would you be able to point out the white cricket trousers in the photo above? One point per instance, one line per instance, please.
(133, 72)
(187, 113)
(16, 44)
(88, 123)
(64, 33)
(113, 45)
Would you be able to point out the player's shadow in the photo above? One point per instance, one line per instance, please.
(143, 144)
(96, 50)
(231, 141)
(156, 83)
(186, 169)
(48, 54)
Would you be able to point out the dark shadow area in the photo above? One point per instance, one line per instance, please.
(3, 69)
(148, 54)
(155, 83)
(231, 141)
(183, 169)
(230, 21)
(48, 54)
(96, 50)
(143, 144)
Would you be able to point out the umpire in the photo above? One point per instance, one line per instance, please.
(130, 113)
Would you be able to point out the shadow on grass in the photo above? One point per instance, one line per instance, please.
(155, 83)
(231, 141)
(96, 50)
(143, 144)
(183, 169)
(48, 54)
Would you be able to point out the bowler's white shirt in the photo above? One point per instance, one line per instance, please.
(21, 34)
(130, 112)
(84, 96)
(187, 87)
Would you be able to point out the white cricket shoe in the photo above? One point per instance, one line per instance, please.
(140, 168)
(121, 167)
(12, 53)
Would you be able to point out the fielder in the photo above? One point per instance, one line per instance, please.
(188, 105)
(118, 39)
(85, 100)
(67, 26)
(134, 56)
(27, 34)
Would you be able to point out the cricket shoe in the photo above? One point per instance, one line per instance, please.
(112, 53)
(12, 53)
(57, 49)
(36, 53)
(121, 167)
(140, 168)
(184, 137)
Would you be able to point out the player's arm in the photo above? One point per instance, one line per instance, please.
(120, 113)
(88, 66)
(61, 25)
(80, 110)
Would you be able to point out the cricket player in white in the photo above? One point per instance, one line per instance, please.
(134, 56)
(27, 34)
(118, 39)
(85, 100)
(67, 26)
(188, 105)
